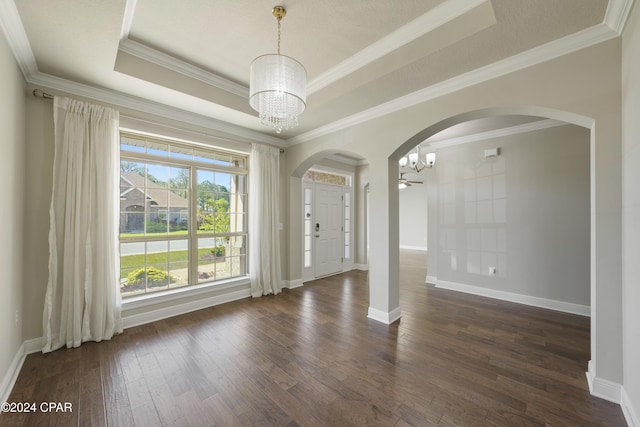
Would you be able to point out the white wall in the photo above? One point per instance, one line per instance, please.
(413, 212)
(12, 194)
(525, 213)
(631, 214)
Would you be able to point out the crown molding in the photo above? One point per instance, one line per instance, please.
(11, 25)
(420, 26)
(122, 100)
(617, 13)
(127, 19)
(146, 53)
(497, 133)
(161, 59)
(566, 45)
(16, 36)
(14, 32)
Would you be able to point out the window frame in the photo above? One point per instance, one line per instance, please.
(193, 234)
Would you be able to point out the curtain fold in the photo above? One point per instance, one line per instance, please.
(264, 205)
(83, 302)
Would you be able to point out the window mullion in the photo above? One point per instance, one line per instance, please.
(193, 226)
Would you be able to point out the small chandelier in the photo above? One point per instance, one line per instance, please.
(416, 163)
(277, 86)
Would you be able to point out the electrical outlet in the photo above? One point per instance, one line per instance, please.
(17, 317)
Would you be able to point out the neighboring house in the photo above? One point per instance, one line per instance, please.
(139, 195)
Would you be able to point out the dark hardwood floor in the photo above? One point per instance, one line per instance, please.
(311, 357)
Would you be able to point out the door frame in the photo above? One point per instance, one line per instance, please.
(309, 273)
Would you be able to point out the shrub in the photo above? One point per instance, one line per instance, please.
(219, 251)
(155, 277)
(161, 226)
(156, 226)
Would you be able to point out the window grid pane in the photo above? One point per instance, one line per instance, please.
(308, 192)
(347, 225)
(155, 216)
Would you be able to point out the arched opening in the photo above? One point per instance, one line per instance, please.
(542, 112)
(585, 127)
(326, 213)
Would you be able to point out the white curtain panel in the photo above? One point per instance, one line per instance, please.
(264, 203)
(83, 302)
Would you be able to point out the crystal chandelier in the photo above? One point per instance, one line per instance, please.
(277, 86)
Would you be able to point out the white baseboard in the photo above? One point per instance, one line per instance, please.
(292, 284)
(9, 380)
(414, 248)
(11, 376)
(567, 307)
(33, 345)
(631, 414)
(383, 316)
(430, 280)
(604, 389)
(362, 267)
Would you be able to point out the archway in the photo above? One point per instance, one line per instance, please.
(546, 113)
(295, 186)
(542, 112)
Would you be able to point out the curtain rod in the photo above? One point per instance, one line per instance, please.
(39, 93)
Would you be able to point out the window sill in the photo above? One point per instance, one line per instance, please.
(176, 294)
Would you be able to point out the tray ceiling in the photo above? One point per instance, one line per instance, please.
(194, 55)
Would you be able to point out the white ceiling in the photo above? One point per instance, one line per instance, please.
(362, 56)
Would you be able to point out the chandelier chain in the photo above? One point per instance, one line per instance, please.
(279, 35)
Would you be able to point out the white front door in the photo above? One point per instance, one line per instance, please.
(327, 230)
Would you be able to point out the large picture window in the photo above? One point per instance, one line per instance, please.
(182, 215)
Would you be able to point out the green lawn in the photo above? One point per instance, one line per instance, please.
(179, 259)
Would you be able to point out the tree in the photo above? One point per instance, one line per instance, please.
(180, 183)
(126, 167)
(218, 221)
(205, 195)
(209, 192)
(221, 208)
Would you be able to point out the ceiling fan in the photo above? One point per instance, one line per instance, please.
(404, 182)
